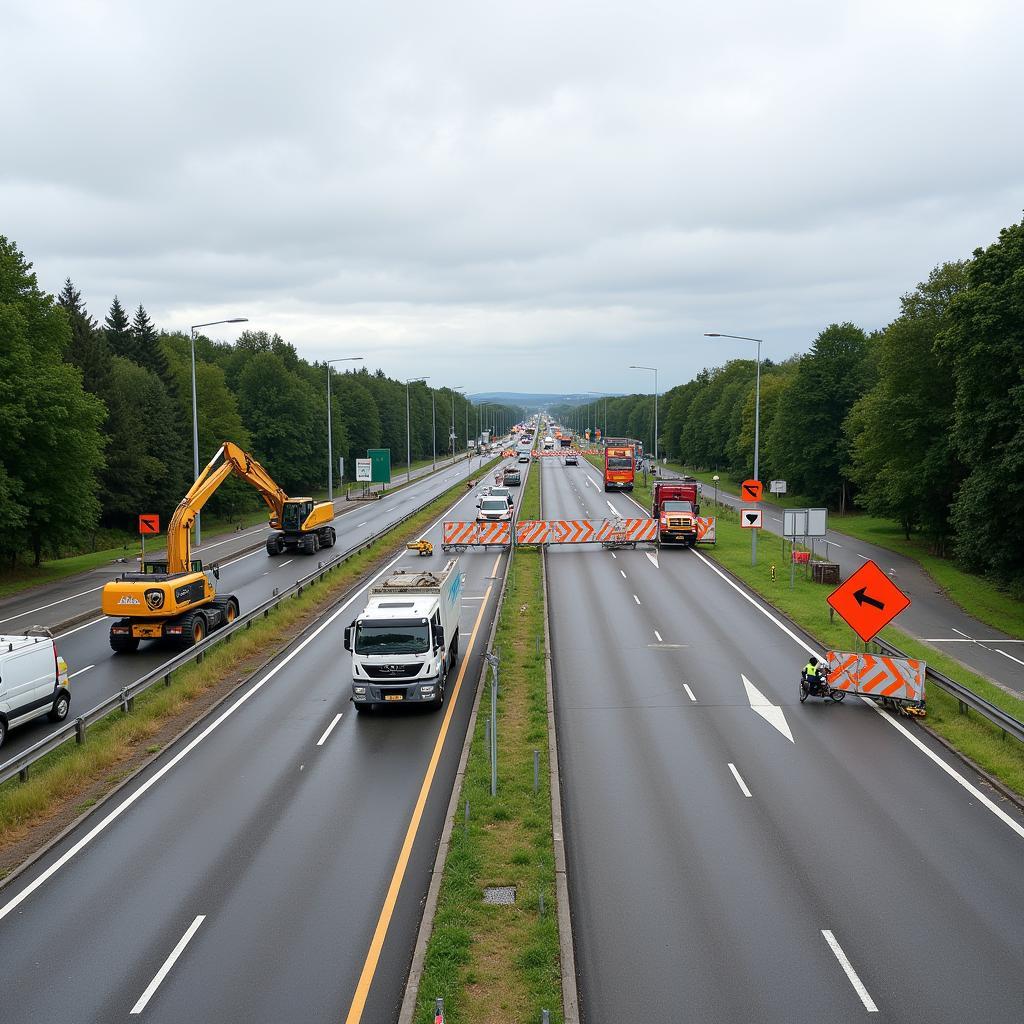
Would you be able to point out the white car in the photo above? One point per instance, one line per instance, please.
(502, 492)
(33, 680)
(493, 509)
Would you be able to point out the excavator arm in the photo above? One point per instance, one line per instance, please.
(230, 459)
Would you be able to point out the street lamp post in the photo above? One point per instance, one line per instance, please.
(655, 369)
(408, 431)
(330, 448)
(757, 424)
(433, 424)
(465, 409)
(451, 435)
(605, 397)
(195, 408)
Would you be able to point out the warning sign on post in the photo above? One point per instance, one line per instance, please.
(751, 490)
(868, 601)
(149, 524)
(751, 518)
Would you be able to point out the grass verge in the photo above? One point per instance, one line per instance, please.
(500, 964)
(74, 776)
(805, 604)
(979, 597)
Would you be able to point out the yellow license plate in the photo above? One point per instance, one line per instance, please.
(393, 696)
(146, 631)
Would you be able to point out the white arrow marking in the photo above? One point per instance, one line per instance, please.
(653, 560)
(771, 713)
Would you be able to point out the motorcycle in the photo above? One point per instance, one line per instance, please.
(817, 686)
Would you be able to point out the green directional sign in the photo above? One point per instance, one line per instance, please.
(380, 462)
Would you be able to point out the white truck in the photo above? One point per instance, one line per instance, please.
(405, 642)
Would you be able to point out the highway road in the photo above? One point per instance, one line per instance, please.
(736, 856)
(932, 616)
(243, 876)
(96, 672)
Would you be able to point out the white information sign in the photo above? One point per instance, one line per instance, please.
(364, 470)
(817, 522)
(777, 487)
(794, 522)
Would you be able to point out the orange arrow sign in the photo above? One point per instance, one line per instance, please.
(149, 524)
(868, 600)
(751, 490)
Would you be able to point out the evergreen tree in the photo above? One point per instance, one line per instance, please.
(118, 332)
(88, 349)
(148, 351)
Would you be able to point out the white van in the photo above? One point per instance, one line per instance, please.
(33, 681)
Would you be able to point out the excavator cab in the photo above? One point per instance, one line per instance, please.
(296, 512)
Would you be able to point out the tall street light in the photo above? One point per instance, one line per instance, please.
(451, 433)
(757, 423)
(408, 432)
(195, 411)
(605, 397)
(330, 449)
(655, 369)
(462, 391)
(433, 424)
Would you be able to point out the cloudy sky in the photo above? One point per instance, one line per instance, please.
(523, 196)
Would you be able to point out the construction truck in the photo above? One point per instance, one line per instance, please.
(676, 507)
(405, 643)
(176, 599)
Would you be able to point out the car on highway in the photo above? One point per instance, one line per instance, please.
(33, 680)
(512, 478)
(571, 460)
(494, 510)
(524, 457)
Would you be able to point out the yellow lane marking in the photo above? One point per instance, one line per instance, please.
(494, 568)
(355, 1011)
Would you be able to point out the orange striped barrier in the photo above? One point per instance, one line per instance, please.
(875, 675)
(485, 534)
(706, 530)
(586, 531)
(533, 531)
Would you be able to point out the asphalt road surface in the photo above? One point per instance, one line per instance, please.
(735, 856)
(244, 875)
(932, 616)
(96, 672)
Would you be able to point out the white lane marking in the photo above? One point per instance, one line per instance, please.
(283, 564)
(771, 713)
(653, 559)
(80, 671)
(972, 789)
(953, 774)
(657, 636)
(892, 572)
(739, 780)
(327, 732)
(844, 962)
(392, 509)
(615, 511)
(859, 555)
(622, 574)
(1010, 656)
(834, 544)
(116, 813)
(614, 555)
(360, 524)
(91, 622)
(689, 692)
(775, 519)
(971, 638)
(168, 964)
(52, 604)
(637, 599)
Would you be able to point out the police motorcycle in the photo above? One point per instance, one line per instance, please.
(816, 684)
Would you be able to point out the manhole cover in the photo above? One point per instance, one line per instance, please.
(502, 895)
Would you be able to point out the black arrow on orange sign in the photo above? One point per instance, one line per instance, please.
(752, 491)
(862, 598)
(149, 523)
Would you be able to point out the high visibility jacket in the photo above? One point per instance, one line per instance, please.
(810, 670)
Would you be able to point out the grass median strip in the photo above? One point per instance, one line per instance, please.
(500, 963)
(985, 745)
(74, 776)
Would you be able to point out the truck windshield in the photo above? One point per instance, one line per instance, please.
(677, 506)
(494, 505)
(398, 636)
(618, 462)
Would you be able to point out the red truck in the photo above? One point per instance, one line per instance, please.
(676, 507)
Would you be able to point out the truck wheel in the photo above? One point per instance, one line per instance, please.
(227, 608)
(274, 545)
(193, 630)
(3, 731)
(60, 708)
(328, 538)
(454, 653)
(363, 709)
(124, 644)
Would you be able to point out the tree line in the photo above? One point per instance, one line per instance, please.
(921, 422)
(96, 418)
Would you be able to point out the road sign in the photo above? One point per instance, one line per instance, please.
(751, 490)
(777, 486)
(364, 470)
(149, 524)
(817, 522)
(868, 601)
(751, 518)
(794, 522)
(381, 460)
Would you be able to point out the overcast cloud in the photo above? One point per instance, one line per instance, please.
(522, 196)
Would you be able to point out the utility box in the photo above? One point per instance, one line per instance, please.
(825, 572)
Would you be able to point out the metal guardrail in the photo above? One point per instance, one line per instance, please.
(967, 698)
(124, 699)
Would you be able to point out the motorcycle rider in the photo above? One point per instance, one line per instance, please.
(812, 675)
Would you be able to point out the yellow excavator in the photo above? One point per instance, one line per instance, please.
(176, 599)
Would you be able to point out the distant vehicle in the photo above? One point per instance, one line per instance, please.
(619, 468)
(494, 510)
(502, 492)
(572, 460)
(405, 642)
(549, 443)
(33, 680)
(676, 507)
(525, 457)
(513, 478)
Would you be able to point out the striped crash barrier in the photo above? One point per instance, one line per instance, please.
(456, 535)
(706, 530)
(558, 453)
(877, 676)
(586, 531)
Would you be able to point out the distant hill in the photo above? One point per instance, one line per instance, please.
(530, 400)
